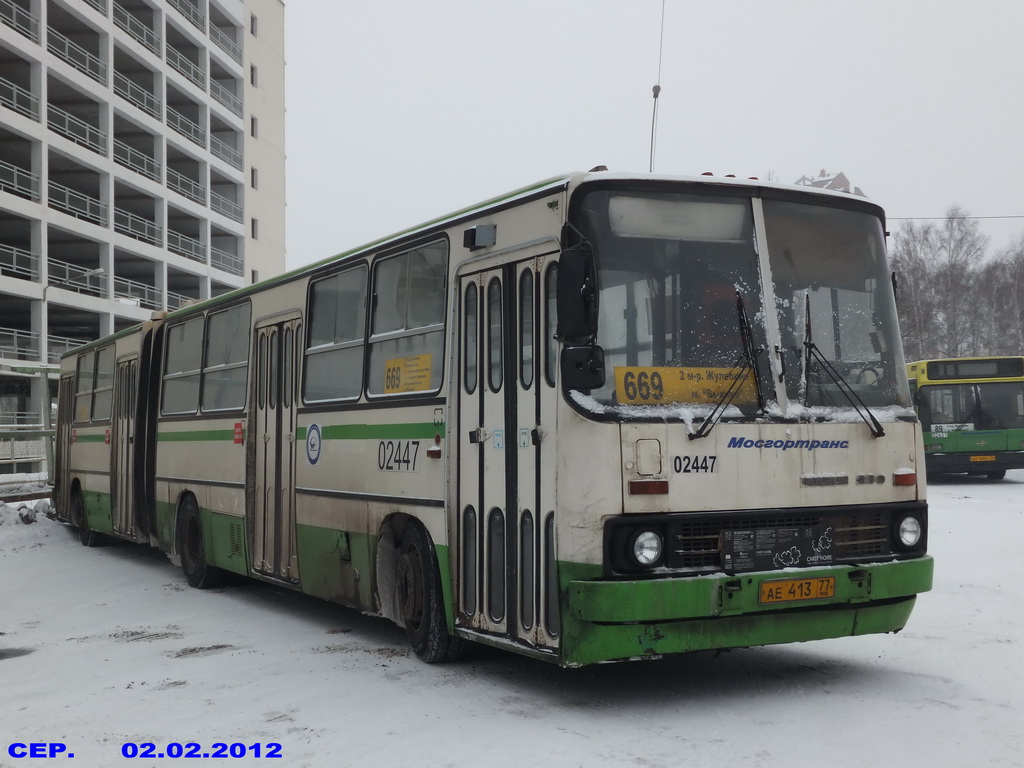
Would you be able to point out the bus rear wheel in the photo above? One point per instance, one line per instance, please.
(996, 474)
(421, 599)
(87, 536)
(198, 572)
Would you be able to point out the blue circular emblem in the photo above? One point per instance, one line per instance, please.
(313, 443)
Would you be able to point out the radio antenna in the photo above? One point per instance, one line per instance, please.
(657, 87)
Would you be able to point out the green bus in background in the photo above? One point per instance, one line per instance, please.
(972, 413)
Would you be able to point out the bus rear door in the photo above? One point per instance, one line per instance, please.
(122, 456)
(272, 527)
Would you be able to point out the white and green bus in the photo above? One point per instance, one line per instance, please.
(604, 417)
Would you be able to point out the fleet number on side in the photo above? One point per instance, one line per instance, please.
(398, 455)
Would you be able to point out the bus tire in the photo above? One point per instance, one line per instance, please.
(421, 600)
(996, 474)
(198, 572)
(87, 536)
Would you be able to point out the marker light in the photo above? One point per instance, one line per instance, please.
(647, 487)
(910, 532)
(647, 548)
(904, 477)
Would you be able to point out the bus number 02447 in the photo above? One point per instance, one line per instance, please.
(398, 455)
(685, 465)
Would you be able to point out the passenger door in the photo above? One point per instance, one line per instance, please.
(505, 503)
(122, 455)
(272, 526)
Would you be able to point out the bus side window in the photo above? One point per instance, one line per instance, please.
(182, 367)
(407, 322)
(334, 353)
(227, 359)
(84, 386)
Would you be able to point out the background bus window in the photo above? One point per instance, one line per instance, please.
(227, 359)
(182, 368)
(407, 326)
(334, 354)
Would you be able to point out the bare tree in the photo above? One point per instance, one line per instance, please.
(937, 269)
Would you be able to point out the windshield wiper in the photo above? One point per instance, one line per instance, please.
(813, 352)
(747, 363)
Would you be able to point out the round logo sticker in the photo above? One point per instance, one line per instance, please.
(313, 443)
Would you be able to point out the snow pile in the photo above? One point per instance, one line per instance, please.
(20, 523)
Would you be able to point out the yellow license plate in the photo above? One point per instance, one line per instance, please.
(792, 590)
(983, 458)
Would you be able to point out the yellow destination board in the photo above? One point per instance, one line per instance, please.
(407, 374)
(659, 385)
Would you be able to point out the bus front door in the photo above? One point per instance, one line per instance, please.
(504, 531)
(123, 454)
(272, 526)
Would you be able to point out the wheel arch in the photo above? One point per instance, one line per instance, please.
(390, 535)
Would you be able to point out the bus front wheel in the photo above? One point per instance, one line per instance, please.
(421, 599)
(198, 572)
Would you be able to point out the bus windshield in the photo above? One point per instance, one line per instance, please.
(832, 290)
(681, 301)
(676, 274)
(964, 407)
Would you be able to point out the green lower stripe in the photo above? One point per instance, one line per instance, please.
(197, 436)
(414, 431)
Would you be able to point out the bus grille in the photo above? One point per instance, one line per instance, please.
(696, 544)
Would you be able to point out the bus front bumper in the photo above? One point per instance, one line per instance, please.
(974, 463)
(617, 620)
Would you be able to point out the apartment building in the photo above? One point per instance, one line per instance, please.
(141, 167)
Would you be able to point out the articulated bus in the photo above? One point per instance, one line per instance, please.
(972, 413)
(605, 417)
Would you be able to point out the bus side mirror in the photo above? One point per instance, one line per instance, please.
(582, 367)
(576, 296)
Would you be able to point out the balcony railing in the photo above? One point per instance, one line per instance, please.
(76, 56)
(146, 295)
(128, 223)
(18, 18)
(186, 127)
(137, 95)
(136, 29)
(79, 131)
(223, 205)
(186, 246)
(226, 97)
(138, 161)
(18, 262)
(186, 66)
(226, 152)
(176, 300)
(17, 98)
(58, 345)
(17, 344)
(191, 189)
(190, 12)
(77, 204)
(226, 43)
(72, 277)
(229, 262)
(99, 5)
(18, 181)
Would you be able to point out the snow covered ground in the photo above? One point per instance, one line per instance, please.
(100, 647)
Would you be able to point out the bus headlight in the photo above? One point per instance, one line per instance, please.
(909, 531)
(646, 548)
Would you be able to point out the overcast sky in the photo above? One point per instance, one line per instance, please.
(400, 111)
